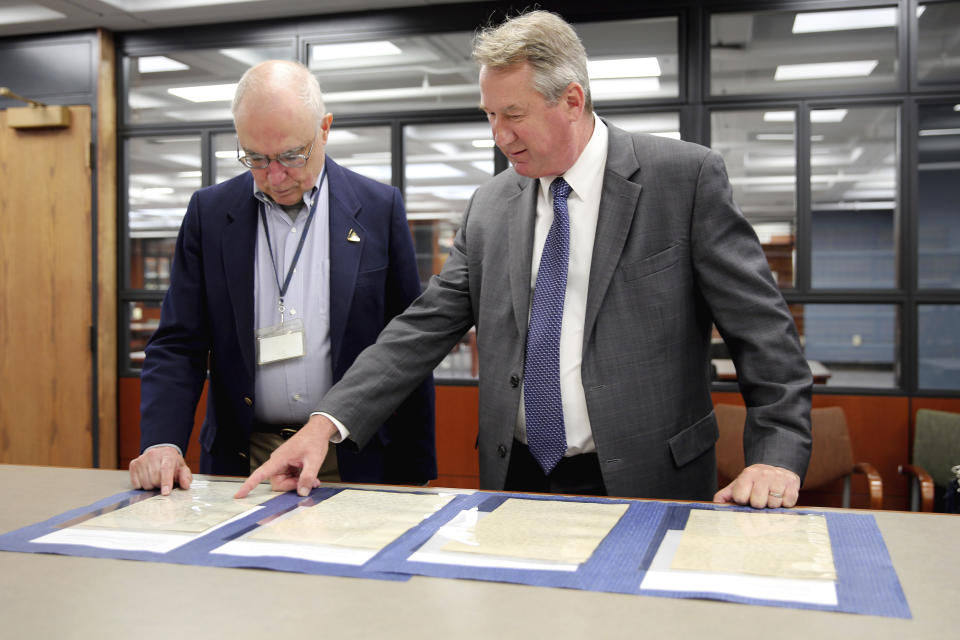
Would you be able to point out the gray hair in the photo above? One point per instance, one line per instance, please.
(545, 41)
(284, 72)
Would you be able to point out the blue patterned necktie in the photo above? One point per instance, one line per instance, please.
(546, 435)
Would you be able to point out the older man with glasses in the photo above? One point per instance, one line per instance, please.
(281, 277)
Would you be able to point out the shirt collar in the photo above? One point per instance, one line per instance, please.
(583, 175)
(308, 196)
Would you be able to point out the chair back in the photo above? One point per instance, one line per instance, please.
(729, 448)
(936, 443)
(831, 457)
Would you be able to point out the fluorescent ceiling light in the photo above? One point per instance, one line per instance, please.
(939, 132)
(224, 155)
(376, 172)
(141, 6)
(845, 20)
(486, 166)
(190, 174)
(666, 134)
(341, 136)
(775, 137)
(28, 13)
(818, 70)
(486, 143)
(205, 93)
(613, 88)
(827, 115)
(445, 148)
(348, 50)
(432, 170)
(623, 68)
(816, 115)
(159, 64)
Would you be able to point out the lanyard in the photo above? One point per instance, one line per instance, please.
(296, 256)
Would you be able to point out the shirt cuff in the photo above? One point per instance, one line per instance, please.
(344, 432)
(164, 444)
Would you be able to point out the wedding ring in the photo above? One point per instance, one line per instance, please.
(774, 494)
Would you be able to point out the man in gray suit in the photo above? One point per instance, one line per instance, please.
(653, 252)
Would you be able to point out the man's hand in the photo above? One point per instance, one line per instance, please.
(762, 485)
(295, 463)
(159, 467)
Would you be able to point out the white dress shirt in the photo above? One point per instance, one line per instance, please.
(585, 178)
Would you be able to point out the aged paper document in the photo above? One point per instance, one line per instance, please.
(782, 545)
(204, 505)
(552, 530)
(354, 518)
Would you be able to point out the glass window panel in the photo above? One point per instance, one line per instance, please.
(938, 346)
(365, 150)
(632, 59)
(163, 174)
(854, 191)
(143, 319)
(444, 164)
(759, 149)
(192, 85)
(851, 345)
(415, 73)
(938, 47)
(771, 52)
(665, 124)
(938, 196)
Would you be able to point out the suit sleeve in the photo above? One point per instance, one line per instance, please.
(175, 366)
(406, 351)
(416, 412)
(755, 322)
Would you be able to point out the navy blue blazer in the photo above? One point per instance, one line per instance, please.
(208, 315)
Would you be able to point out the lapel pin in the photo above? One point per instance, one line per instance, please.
(352, 236)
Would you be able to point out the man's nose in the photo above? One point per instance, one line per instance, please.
(502, 133)
(276, 172)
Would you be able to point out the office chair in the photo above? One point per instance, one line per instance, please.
(936, 448)
(830, 459)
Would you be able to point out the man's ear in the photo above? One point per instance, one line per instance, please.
(574, 99)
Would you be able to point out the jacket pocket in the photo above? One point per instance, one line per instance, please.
(694, 441)
(660, 261)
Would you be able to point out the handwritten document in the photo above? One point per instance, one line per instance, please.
(783, 545)
(551, 530)
(354, 518)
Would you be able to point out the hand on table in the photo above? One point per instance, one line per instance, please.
(160, 467)
(762, 485)
(295, 463)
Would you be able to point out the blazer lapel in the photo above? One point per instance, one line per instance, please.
(619, 202)
(344, 254)
(523, 206)
(238, 248)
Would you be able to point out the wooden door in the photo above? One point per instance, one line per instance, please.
(46, 293)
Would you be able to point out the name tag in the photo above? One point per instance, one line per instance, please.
(281, 342)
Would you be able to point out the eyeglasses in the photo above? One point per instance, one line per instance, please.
(290, 159)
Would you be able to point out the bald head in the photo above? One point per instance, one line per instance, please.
(276, 86)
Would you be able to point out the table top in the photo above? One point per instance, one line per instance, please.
(49, 596)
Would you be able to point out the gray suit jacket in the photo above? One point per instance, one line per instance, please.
(672, 254)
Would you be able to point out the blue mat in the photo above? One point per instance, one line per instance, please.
(866, 580)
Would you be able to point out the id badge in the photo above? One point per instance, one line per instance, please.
(281, 342)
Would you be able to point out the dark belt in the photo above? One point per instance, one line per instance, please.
(283, 430)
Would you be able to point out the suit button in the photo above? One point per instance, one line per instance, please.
(247, 401)
(514, 381)
(502, 451)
